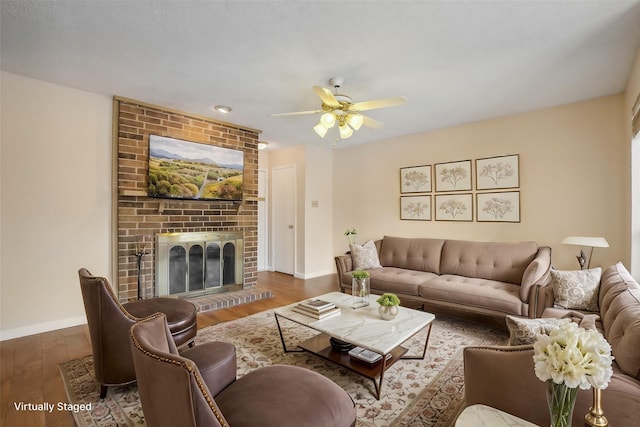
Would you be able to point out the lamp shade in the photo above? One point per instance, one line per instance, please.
(355, 120)
(328, 120)
(345, 131)
(597, 242)
(320, 130)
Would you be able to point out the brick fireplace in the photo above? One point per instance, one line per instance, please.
(138, 219)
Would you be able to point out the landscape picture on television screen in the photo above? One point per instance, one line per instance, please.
(189, 170)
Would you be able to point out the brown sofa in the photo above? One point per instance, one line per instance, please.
(477, 280)
(503, 377)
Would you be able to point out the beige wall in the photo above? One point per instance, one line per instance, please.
(314, 206)
(631, 94)
(573, 180)
(318, 236)
(56, 201)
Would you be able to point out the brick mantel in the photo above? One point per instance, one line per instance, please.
(137, 218)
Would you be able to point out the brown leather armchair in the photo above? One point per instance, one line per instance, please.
(174, 392)
(109, 323)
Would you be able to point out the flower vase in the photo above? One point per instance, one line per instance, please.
(388, 312)
(561, 400)
(360, 292)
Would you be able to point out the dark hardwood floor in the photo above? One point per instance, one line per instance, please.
(29, 365)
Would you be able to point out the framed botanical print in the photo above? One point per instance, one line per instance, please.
(498, 207)
(417, 208)
(453, 207)
(453, 176)
(415, 179)
(498, 172)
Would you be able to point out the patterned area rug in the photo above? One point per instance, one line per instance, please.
(425, 392)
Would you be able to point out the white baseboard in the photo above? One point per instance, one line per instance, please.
(42, 327)
(313, 275)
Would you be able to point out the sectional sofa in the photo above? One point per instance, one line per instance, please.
(503, 377)
(483, 281)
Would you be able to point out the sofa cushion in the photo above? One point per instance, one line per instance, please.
(398, 280)
(365, 256)
(411, 253)
(620, 314)
(488, 294)
(501, 261)
(576, 290)
(523, 330)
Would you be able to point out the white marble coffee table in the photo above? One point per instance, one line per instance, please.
(361, 327)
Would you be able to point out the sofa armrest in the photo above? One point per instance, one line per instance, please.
(545, 299)
(343, 265)
(536, 274)
(503, 377)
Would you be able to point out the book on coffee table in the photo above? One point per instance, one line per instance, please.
(316, 315)
(316, 305)
(367, 356)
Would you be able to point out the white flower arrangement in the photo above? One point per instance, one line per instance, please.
(351, 235)
(574, 356)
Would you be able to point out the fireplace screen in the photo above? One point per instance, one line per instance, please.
(192, 263)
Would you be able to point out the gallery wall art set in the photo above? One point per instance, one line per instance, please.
(444, 191)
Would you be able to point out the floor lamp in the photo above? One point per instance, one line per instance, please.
(592, 242)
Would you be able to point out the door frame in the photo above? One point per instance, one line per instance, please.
(295, 216)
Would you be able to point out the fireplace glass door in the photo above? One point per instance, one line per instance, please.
(196, 260)
(209, 261)
(229, 264)
(212, 266)
(177, 270)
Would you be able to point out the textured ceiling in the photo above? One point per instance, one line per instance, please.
(455, 61)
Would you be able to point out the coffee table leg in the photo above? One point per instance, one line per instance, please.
(284, 344)
(424, 350)
(378, 385)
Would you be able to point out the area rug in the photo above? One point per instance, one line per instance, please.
(425, 392)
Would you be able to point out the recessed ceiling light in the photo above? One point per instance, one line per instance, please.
(222, 109)
(262, 145)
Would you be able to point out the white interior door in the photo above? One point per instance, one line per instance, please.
(284, 214)
(262, 220)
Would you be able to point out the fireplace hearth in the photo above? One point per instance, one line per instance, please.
(198, 263)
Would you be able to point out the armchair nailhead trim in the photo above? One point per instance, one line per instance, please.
(188, 367)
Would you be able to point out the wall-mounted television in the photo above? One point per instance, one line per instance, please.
(181, 169)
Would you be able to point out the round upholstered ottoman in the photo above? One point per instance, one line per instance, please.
(181, 315)
(283, 396)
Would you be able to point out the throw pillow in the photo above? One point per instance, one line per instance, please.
(576, 290)
(365, 256)
(523, 330)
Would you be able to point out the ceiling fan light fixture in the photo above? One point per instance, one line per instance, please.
(355, 121)
(345, 131)
(320, 130)
(328, 120)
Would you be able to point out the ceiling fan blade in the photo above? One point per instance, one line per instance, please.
(298, 113)
(326, 96)
(378, 103)
(372, 123)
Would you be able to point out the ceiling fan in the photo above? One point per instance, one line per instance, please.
(340, 109)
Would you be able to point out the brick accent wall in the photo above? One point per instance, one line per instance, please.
(140, 218)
